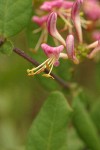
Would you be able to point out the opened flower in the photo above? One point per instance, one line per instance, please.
(53, 54)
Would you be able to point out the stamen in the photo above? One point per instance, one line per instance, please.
(31, 71)
(48, 76)
(40, 40)
(65, 20)
(51, 64)
(37, 30)
(40, 70)
(47, 64)
(85, 23)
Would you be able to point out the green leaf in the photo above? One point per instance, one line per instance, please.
(14, 16)
(49, 129)
(95, 114)
(74, 141)
(84, 125)
(7, 47)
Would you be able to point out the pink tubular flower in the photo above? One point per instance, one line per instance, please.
(51, 26)
(92, 9)
(70, 48)
(94, 51)
(40, 20)
(76, 19)
(53, 54)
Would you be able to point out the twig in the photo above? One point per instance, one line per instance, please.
(35, 63)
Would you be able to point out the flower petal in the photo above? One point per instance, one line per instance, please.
(52, 51)
(40, 20)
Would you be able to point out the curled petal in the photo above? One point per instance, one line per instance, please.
(52, 51)
(76, 19)
(70, 48)
(46, 6)
(40, 20)
(67, 4)
(51, 26)
(49, 5)
(94, 51)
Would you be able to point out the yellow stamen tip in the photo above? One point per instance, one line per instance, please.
(28, 70)
(48, 76)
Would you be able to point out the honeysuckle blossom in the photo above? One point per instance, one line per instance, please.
(69, 12)
(53, 54)
(69, 43)
(76, 18)
(61, 7)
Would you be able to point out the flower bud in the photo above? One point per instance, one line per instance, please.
(51, 26)
(70, 48)
(76, 19)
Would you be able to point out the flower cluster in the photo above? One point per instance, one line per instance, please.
(63, 10)
(74, 21)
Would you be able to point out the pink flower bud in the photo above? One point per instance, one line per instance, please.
(40, 20)
(70, 48)
(51, 26)
(76, 19)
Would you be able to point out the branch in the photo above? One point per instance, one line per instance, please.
(35, 63)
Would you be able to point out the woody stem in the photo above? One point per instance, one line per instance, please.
(35, 63)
